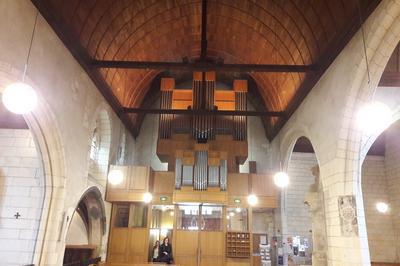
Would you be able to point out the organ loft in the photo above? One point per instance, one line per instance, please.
(202, 203)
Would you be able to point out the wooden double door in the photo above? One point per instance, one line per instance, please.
(201, 246)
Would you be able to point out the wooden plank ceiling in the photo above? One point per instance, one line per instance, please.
(277, 32)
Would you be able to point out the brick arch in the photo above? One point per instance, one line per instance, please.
(45, 130)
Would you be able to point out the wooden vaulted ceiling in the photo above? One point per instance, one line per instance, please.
(277, 32)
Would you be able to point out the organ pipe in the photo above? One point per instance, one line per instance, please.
(240, 122)
(187, 175)
(165, 120)
(223, 174)
(178, 173)
(203, 98)
(200, 170)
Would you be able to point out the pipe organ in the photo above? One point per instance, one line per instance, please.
(203, 96)
(202, 148)
(194, 200)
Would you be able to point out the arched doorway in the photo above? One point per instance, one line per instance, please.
(303, 215)
(86, 229)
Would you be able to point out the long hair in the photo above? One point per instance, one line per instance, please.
(165, 238)
(155, 244)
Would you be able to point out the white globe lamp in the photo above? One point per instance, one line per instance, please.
(252, 199)
(115, 177)
(147, 197)
(374, 117)
(19, 98)
(382, 207)
(281, 179)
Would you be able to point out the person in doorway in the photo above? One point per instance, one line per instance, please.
(156, 251)
(166, 251)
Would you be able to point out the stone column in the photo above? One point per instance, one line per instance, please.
(315, 200)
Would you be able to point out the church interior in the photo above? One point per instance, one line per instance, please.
(200, 132)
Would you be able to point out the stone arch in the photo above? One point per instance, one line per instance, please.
(45, 130)
(379, 182)
(289, 140)
(382, 30)
(90, 210)
(101, 131)
(304, 197)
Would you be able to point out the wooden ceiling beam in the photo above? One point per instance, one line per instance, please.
(202, 66)
(203, 45)
(203, 112)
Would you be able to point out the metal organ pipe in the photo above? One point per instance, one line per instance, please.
(223, 174)
(164, 131)
(240, 122)
(200, 170)
(178, 173)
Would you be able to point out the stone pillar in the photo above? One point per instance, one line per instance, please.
(315, 200)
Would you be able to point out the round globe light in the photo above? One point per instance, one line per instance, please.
(231, 214)
(238, 210)
(382, 207)
(281, 179)
(147, 197)
(228, 217)
(19, 98)
(374, 117)
(115, 177)
(252, 199)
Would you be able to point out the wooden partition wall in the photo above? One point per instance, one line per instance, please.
(129, 238)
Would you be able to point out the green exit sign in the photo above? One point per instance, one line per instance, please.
(163, 198)
(237, 200)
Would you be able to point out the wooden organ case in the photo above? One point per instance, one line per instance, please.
(201, 187)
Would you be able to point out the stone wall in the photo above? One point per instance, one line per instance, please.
(22, 192)
(380, 230)
(301, 178)
(77, 233)
(392, 168)
(62, 124)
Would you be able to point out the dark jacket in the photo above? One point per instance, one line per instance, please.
(168, 249)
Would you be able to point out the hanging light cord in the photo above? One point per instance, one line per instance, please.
(363, 39)
(30, 46)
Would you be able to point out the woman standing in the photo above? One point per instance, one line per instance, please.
(166, 251)
(156, 251)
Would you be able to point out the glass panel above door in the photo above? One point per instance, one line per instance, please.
(211, 217)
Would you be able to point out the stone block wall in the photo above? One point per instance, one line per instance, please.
(22, 192)
(301, 178)
(392, 168)
(380, 230)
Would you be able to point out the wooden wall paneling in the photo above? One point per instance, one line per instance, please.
(212, 248)
(137, 246)
(118, 243)
(262, 185)
(164, 183)
(139, 178)
(186, 247)
(238, 184)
